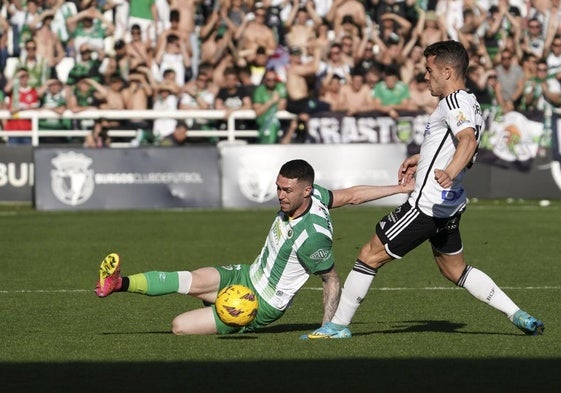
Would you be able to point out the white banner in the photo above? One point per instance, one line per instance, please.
(249, 172)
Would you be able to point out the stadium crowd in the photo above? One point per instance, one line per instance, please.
(303, 56)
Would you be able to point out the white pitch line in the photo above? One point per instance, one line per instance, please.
(554, 288)
(444, 288)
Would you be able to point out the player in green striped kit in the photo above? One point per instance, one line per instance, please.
(299, 243)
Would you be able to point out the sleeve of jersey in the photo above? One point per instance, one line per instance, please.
(316, 254)
(461, 114)
(324, 195)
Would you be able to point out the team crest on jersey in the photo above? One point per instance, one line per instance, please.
(277, 231)
(321, 255)
(427, 130)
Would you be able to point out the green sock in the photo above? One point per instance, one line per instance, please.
(154, 283)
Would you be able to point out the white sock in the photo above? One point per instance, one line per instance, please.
(481, 286)
(354, 291)
(185, 279)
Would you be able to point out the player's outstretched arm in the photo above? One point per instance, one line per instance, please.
(360, 194)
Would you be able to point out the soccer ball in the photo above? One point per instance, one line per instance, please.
(236, 305)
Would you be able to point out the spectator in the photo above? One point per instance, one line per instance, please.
(348, 49)
(533, 40)
(216, 39)
(176, 29)
(232, 97)
(553, 58)
(233, 13)
(4, 27)
(52, 97)
(492, 30)
(48, 45)
(301, 99)
(391, 53)
(36, 66)
(109, 96)
(364, 55)
(474, 15)
(476, 50)
(429, 29)
(512, 43)
(498, 104)
(87, 66)
(540, 91)
(244, 75)
(21, 16)
(348, 29)
(61, 10)
(178, 137)
(258, 64)
(511, 79)
(144, 13)
(373, 75)
(137, 49)
(341, 8)
(324, 38)
(355, 96)
(81, 98)
(269, 98)
(89, 27)
(187, 19)
(254, 33)
(165, 100)
(199, 94)
(477, 79)
(335, 64)
(529, 65)
(173, 55)
(451, 12)
(136, 96)
(391, 95)
(421, 98)
(301, 24)
(393, 27)
(331, 90)
(21, 96)
(168, 76)
(120, 63)
(414, 62)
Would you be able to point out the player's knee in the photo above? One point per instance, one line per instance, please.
(374, 257)
(177, 327)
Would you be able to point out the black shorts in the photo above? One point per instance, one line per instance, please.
(406, 228)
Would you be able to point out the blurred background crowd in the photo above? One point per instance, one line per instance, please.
(303, 56)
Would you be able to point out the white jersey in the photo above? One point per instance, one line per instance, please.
(294, 249)
(454, 113)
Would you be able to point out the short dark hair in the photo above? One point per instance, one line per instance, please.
(298, 169)
(449, 52)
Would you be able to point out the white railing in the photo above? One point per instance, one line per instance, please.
(230, 133)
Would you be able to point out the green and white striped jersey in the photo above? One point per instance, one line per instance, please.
(294, 249)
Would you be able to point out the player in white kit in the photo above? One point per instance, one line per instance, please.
(434, 208)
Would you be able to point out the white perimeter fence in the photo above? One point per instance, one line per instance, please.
(230, 133)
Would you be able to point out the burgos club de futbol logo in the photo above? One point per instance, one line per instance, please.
(72, 180)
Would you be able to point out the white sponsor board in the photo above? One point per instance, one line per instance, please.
(249, 172)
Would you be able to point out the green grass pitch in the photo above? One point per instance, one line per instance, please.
(415, 332)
